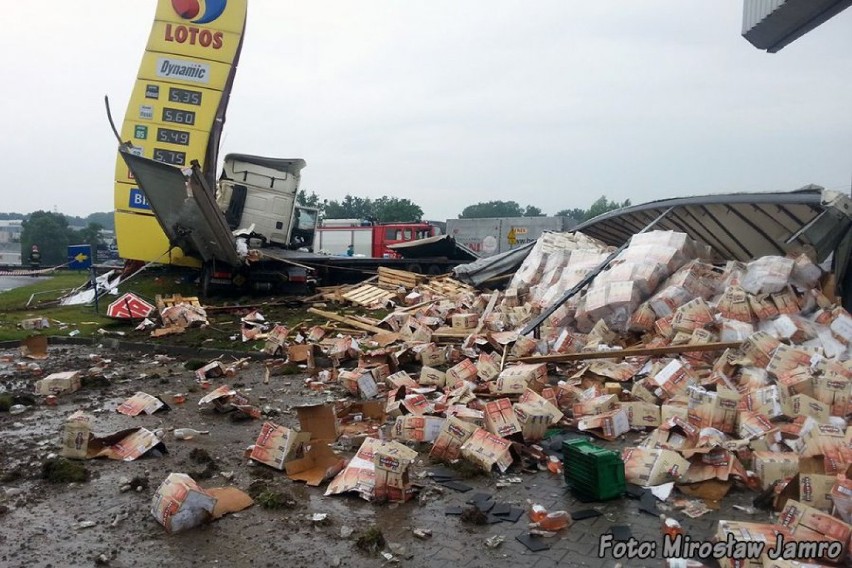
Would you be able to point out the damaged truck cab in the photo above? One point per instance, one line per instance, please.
(248, 234)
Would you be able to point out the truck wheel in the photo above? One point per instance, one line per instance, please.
(414, 267)
(204, 284)
(435, 270)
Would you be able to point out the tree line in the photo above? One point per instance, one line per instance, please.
(393, 209)
(52, 233)
(104, 219)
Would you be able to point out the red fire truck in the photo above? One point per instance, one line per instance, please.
(356, 237)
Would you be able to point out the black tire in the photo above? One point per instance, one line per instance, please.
(204, 283)
(414, 267)
(435, 270)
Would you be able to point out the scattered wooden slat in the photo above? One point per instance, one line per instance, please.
(492, 301)
(365, 319)
(633, 352)
(170, 330)
(332, 327)
(347, 320)
(367, 295)
(415, 307)
(449, 333)
(393, 277)
(447, 286)
(168, 302)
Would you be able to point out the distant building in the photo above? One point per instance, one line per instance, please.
(10, 253)
(10, 231)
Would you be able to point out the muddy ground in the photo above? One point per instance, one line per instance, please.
(41, 524)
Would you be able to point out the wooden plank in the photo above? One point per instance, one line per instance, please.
(401, 281)
(365, 319)
(488, 309)
(349, 321)
(374, 294)
(633, 352)
(369, 295)
(415, 307)
(399, 273)
(363, 292)
(447, 332)
(331, 327)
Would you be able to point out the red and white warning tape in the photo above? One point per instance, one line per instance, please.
(26, 272)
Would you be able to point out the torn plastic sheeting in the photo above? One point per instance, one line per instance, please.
(86, 294)
(479, 271)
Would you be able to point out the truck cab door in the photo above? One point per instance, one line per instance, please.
(304, 228)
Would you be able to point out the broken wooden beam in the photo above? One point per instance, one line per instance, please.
(633, 352)
(347, 320)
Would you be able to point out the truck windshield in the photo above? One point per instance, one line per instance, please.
(306, 220)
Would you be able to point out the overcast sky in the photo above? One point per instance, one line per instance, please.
(551, 103)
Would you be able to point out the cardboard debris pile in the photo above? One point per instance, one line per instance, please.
(739, 373)
(178, 314)
(79, 442)
(180, 503)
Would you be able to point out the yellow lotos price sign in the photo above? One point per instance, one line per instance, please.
(176, 109)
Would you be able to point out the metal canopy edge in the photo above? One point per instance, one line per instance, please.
(745, 226)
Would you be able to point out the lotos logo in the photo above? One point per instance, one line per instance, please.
(192, 35)
(188, 9)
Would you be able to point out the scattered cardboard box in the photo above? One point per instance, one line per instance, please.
(641, 415)
(808, 524)
(647, 467)
(59, 383)
(34, 347)
(815, 482)
(765, 534)
(318, 464)
(75, 437)
(500, 418)
(774, 466)
(276, 445)
(139, 403)
(464, 322)
(414, 428)
(487, 450)
(608, 425)
(180, 504)
(430, 376)
(454, 433)
(391, 461)
(378, 472)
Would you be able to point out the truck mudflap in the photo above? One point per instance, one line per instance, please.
(185, 207)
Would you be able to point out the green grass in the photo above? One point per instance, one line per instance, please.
(46, 292)
(44, 288)
(166, 282)
(60, 470)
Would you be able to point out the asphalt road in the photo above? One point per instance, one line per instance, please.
(10, 282)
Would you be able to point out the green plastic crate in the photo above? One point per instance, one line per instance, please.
(593, 472)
